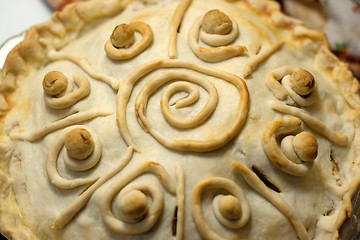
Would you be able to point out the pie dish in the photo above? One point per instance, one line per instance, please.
(176, 120)
(59, 4)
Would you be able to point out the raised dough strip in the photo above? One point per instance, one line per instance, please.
(312, 122)
(278, 202)
(65, 122)
(174, 26)
(74, 207)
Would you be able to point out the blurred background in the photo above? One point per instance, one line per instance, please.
(339, 19)
(16, 16)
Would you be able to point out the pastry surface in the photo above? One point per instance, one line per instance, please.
(192, 133)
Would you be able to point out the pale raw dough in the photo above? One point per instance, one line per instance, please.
(142, 150)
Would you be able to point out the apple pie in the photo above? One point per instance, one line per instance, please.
(176, 119)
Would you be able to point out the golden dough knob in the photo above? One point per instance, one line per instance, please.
(133, 205)
(216, 22)
(122, 36)
(54, 83)
(305, 146)
(229, 207)
(302, 82)
(79, 143)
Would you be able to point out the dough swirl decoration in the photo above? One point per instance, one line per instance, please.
(138, 218)
(232, 210)
(187, 144)
(312, 122)
(165, 77)
(218, 31)
(118, 47)
(71, 137)
(58, 90)
(252, 179)
(75, 206)
(297, 153)
(297, 83)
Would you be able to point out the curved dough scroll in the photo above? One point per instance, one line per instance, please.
(185, 145)
(282, 90)
(54, 151)
(270, 133)
(69, 99)
(147, 37)
(196, 209)
(163, 78)
(312, 122)
(216, 54)
(120, 183)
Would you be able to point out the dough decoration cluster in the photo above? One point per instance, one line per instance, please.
(232, 210)
(218, 31)
(297, 83)
(297, 152)
(140, 218)
(311, 122)
(294, 154)
(123, 37)
(59, 93)
(71, 160)
(154, 83)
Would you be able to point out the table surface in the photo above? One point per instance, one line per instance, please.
(16, 16)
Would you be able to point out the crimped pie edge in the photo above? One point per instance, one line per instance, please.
(65, 25)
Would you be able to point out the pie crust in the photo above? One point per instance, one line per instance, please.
(238, 125)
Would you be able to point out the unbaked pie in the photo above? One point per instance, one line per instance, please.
(164, 119)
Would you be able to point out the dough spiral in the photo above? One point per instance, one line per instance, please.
(132, 223)
(140, 108)
(312, 122)
(61, 96)
(123, 37)
(232, 210)
(217, 36)
(52, 157)
(292, 162)
(297, 83)
(163, 78)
